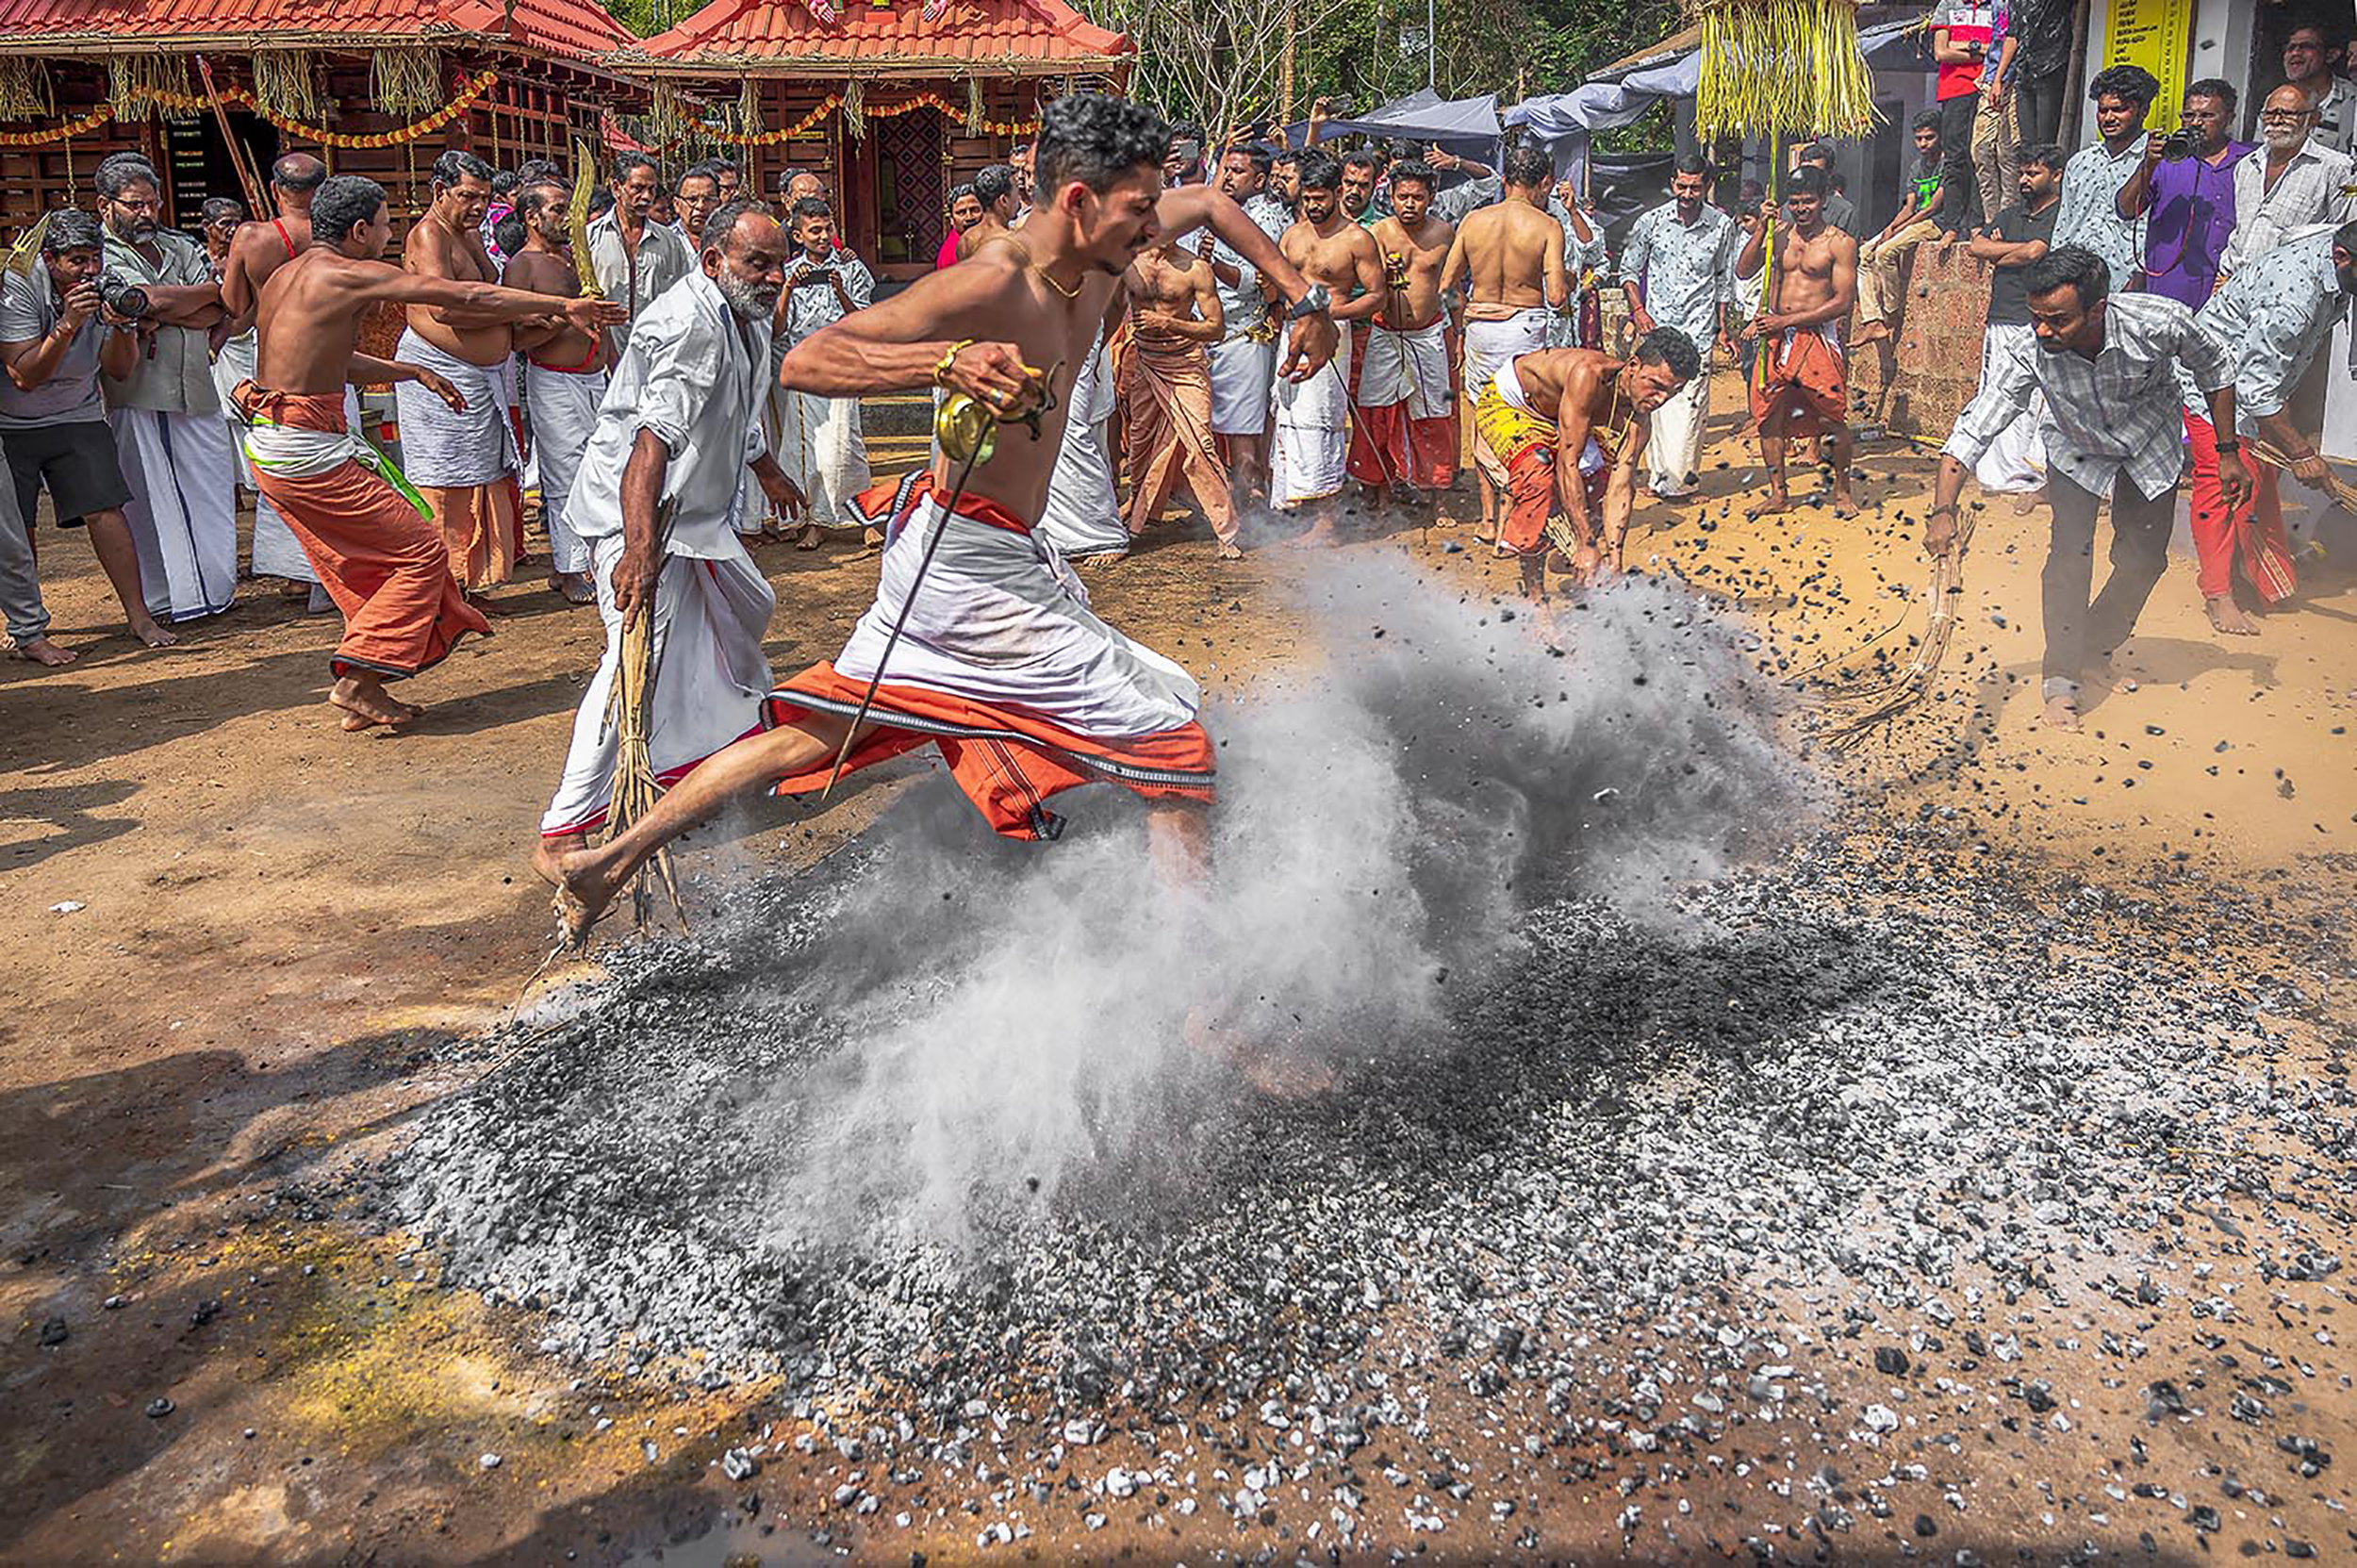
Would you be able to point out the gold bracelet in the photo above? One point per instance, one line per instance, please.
(941, 366)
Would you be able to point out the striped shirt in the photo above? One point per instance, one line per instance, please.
(2312, 189)
(2115, 415)
(2272, 317)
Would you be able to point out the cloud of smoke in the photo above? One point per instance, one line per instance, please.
(1023, 1025)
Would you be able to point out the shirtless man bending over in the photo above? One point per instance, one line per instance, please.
(1567, 426)
(1312, 444)
(464, 463)
(1407, 428)
(365, 532)
(1800, 385)
(1020, 706)
(1510, 253)
(1166, 390)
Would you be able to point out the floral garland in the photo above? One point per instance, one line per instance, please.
(829, 104)
(188, 103)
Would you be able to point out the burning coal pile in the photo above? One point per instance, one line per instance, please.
(1623, 1035)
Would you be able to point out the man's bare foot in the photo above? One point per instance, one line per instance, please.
(582, 896)
(1320, 534)
(1776, 502)
(1871, 332)
(2228, 616)
(367, 706)
(1230, 550)
(547, 855)
(2062, 713)
(292, 587)
(574, 587)
(871, 539)
(809, 537)
(1844, 506)
(41, 651)
(1099, 560)
(148, 630)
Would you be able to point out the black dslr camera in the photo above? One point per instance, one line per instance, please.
(2179, 145)
(127, 299)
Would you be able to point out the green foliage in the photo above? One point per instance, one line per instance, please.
(1513, 51)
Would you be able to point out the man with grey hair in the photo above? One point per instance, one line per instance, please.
(2292, 183)
(655, 498)
(170, 439)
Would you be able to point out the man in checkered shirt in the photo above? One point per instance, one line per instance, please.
(2113, 427)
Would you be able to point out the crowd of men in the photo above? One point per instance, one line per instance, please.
(2142, 262)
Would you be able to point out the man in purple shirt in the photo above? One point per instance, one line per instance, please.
(2187, 201)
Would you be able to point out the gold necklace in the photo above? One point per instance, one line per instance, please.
(1032, 262)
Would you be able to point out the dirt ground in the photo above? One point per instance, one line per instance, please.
(242, 933)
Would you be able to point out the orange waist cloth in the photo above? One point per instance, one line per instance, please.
(320, 411)
(1008, 762)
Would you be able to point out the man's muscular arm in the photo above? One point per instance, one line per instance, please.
(1313, 339)
(239, 296)
(1571, 438)
(1556, 281)
(1454, 271)
(894, 345)
(1366, 267)
(536, 272)
(1620, 492)
(367, 282)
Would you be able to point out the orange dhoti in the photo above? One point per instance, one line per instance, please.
(1004, 669)
(2253, 531)
(1166, 387)
(1405, 429)
(1523, 440)
(1802, 373)
(465, 462)
(374, 549)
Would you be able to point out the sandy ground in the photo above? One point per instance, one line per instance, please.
(242, 933)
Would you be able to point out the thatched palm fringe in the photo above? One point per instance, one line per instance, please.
(1908, 689)
(286, 82)
(406, 82)
(748, 108)
(1782, 66)
(668, 119)
(973, 105)
(635, 785)
(855, 108)
(132, 80)
(25, 92)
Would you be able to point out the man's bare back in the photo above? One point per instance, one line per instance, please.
(436, 248)
(1412, 259)
(255, 252)
(1512, 255)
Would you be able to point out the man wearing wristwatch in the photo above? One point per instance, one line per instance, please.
(2109, 369)
(2272, 317)
(1003, 668)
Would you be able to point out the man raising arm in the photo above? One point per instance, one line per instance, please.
(367, 531)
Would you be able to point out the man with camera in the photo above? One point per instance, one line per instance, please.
(2186, 182)
(56, 334)
(170, 438)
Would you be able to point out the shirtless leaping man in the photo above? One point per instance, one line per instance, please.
(1800, 385)
(1406, 439)
(1309, 459)
(1567, 427)
(1021, 704)
(464, 462)
(1509, 255)
(365, 531)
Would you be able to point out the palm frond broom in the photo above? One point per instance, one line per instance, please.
(637, 787)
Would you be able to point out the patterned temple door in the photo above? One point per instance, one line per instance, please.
(909, 187)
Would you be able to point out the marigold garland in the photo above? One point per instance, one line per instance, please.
(832, 102)
(188, 103)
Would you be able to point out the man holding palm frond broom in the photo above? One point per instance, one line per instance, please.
(653, 499)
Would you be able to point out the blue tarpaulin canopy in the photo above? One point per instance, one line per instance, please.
(1466, 127)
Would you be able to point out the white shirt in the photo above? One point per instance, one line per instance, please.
(2116, 415)
(1684, 268)
(693, 373)
(663, 258)
(2312, 189)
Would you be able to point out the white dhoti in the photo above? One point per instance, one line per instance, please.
(1673, 444)
(1410, 367)
(442, 447)
(1313, 431)
(1242, 372)
(183, 511)
(564, 409)
(712, 675)
(1490, 344)
(1082, 516)
(276, 554)
(819, 444)
(2016, 461)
